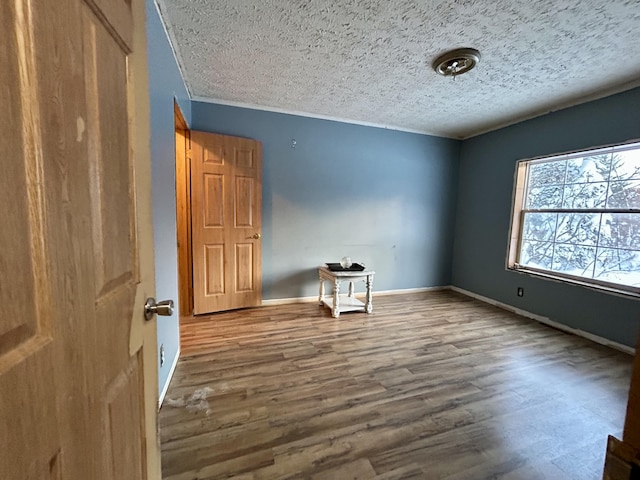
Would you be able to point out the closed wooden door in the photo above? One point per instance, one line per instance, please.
(226, 222)
(78, 379)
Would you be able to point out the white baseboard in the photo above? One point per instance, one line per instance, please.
(172, 370)
(288, 301)
(560, 326)
(411, 290)
(491, 301)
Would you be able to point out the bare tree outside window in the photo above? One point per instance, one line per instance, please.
(580, 217)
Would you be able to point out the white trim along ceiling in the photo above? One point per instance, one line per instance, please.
(370, 61)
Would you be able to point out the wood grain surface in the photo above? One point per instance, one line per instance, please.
(432, 385)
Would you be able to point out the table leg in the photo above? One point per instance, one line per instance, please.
(351, 289)
(335, 311)
(321, 292)
(368, 306)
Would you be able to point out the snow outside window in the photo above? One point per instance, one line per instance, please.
(576, 217)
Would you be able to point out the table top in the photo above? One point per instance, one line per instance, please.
(346, 273)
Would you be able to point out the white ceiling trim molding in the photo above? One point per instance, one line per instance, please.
(313, 115)
(557, 107)
(514, 121)
(370, 61)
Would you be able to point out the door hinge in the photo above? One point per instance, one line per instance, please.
(188, 153)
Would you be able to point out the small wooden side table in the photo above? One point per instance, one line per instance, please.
(347, 303)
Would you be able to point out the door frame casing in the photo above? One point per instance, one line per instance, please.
(183, 212)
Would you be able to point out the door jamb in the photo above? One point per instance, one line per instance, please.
(183, 212)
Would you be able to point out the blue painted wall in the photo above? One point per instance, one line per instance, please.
(165, 85)
(382, 197)
(421, 210)
(487, 166)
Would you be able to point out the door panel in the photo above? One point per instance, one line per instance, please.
(112, 208)
(26, 349)
(226, 203)
(119, 19)
(24, 327)
(244, 157)
(124, 410)
(75, 352)
(212, 149)
(244, 267)
(213, 200)
(214, 255)
(244, 202)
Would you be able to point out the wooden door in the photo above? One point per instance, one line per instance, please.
(226, 222)
(78, 378)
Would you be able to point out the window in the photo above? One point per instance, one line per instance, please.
(576, 217)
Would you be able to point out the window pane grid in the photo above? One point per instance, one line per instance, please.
(575, 243)
(580, 216)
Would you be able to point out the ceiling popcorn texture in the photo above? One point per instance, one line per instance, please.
(369, 61)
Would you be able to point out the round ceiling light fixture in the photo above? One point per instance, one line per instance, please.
(456, 62)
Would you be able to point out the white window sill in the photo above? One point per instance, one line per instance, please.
(601, 287)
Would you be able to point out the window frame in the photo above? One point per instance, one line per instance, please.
(518, 210)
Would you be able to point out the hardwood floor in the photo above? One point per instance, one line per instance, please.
(430, 386)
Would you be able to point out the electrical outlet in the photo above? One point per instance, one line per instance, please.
(520, 292)
(161, 355)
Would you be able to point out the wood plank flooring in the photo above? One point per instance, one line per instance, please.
(428, 386)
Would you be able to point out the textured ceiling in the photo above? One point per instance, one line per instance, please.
(369, 61)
